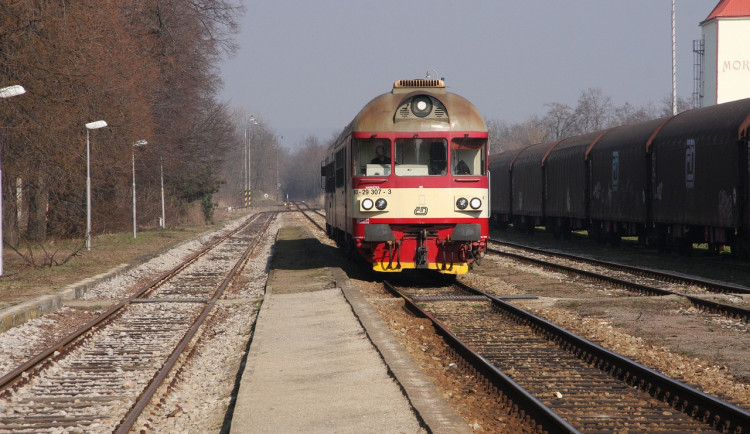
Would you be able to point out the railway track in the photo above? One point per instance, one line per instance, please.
(304, 208)
(561, 381)
(644, 280)
(102, 376)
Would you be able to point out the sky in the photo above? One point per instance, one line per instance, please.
(307, 67)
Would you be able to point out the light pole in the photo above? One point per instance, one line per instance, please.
(137, 143)
(5, 92)
(247, 193)
(674, 65)
(278, 184)
(90, 126)
(161, 172)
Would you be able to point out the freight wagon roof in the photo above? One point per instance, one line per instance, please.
(380, 113)
(636, 134)
(533, 154)
(503, 160)
(580, 144)
(730, 119)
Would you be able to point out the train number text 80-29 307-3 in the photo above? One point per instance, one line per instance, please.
(372, 191)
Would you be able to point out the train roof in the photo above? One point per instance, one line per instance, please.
(729, 119)
(398, 110)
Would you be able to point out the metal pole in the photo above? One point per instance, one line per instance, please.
(247, 163)
(90, 126)
(674, 64)
(134, 230)
(5, 92)
(88, 193)
(2, 240)
(246, 169)
(161, 171)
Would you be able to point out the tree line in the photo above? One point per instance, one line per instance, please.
(593, 111)
(146, 67)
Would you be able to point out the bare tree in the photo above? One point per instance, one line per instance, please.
(559, 122)
(302, 170)
(593, 111)
(515, 136)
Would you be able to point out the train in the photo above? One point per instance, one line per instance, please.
(406, 182)
(671, 182)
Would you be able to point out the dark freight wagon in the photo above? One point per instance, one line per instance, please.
(619, 172)
(674, 181)
(528, 187)
(699, 174)
(567, 184)
(500, 197)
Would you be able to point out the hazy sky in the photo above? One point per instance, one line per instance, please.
(308, 67)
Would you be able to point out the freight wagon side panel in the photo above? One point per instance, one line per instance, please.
(619, 173)
(500, 190)
(565, 170)
(696, 167)
(527, 181)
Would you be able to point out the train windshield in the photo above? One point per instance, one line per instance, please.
(468, 156)
(372, 157)
(421, 157)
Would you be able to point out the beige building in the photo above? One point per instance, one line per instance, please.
(722, 66)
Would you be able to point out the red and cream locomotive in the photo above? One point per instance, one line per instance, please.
(406, 183)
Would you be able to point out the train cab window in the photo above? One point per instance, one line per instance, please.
(372, 157)
(468, 156)
(421, 157)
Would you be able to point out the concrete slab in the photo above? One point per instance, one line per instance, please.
(311, 368)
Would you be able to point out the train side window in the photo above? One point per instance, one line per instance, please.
(340, 157)
(421, 157)
(368, 160)
(468, 156)
(330, 178)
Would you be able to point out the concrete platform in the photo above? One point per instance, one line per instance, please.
(321, 359)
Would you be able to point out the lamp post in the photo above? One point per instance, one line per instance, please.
(90, 126)
(674, 65)
(137, 143)
(161, 173)
(5, 92)
(248, 164)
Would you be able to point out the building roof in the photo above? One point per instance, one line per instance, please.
(729, 9)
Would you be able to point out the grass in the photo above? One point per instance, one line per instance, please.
(22, 281)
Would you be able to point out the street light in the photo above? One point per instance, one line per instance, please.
(248, 163)
(90, 126)
(5, 92)
(137, 143)
(161, 172)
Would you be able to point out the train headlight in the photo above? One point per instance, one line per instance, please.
(381, 204)
(475, 203)
(421, 106)
(462, 203)
(367, 204)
